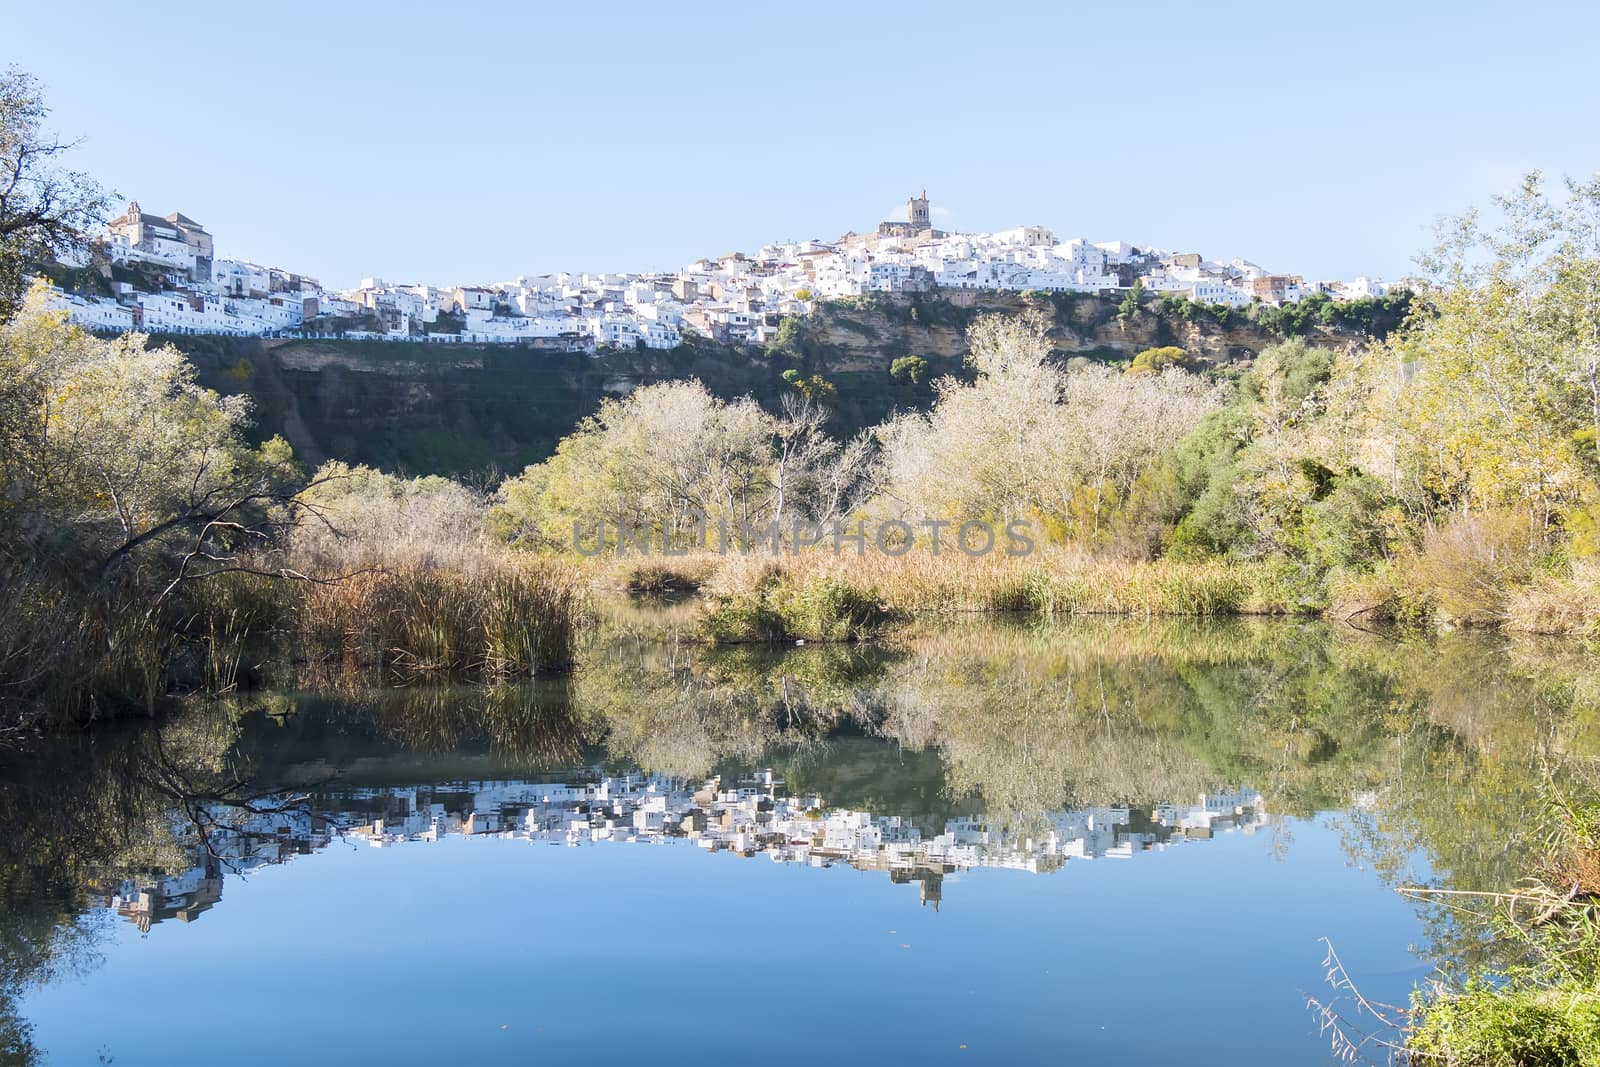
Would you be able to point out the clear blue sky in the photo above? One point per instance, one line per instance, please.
(445, 143)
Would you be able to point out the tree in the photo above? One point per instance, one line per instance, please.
(1491, 399)
(45, 209)
(815, 389)
(374, 519)
(671, 454)
(113, 460)
(1156, 360)
(1132, 303)
(980, 451)
(814, 477)
(791, 336)
(909, 369)
(1027, 438)
(660, 459)
(1112, 427)
(124, 486)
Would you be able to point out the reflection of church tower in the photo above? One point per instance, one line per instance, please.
(918, 213)
(932, 885)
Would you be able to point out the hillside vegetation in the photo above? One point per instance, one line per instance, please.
(463, 409)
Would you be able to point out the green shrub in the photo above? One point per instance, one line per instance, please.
(1488, 1027)
(779, 605)
(658, 577)
(1386, 593)
(830, 607)
(745, 613)
(1156, 360)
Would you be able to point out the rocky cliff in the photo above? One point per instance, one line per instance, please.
(429, 408)
(871, 330)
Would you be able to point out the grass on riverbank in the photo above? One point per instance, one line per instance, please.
(498, 618)
(415, 607)
(1495, 1027)
(495, 621)
(820, 596)
(1481, 572)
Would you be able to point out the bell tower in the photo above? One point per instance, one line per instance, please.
(917, 212)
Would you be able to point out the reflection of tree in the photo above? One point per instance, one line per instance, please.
(682, 713)
(521, 724)
(39, 944)
(1101, 712)
(1493, 725)
(1035, 726)
(1028, 719)
(80, 813)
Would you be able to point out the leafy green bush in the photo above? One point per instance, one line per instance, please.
(812, 605)
(910, 369)
(1491, 1027)
(831, 607)
(1347, 527)
(1132, 303)
(1156, 360)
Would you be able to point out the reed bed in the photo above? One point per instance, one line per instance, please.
(517, 618)
(820, 596)
(1561, 598)
(68, 653)
(489, 615)
(422, 589)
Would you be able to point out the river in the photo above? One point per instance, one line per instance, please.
(1105, 842)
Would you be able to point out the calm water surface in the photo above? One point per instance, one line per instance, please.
(1113, 843)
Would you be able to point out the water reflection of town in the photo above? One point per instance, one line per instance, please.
(747, 817)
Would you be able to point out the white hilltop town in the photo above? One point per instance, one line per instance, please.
(755, 815)
(160, 274)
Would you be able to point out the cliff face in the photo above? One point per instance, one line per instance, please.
(414, 408)
(457, 409)
(867, 331)
(446, 409)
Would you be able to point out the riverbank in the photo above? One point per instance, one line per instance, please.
(379, 614)
(827, 596)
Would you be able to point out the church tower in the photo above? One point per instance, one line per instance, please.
(918, 213)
